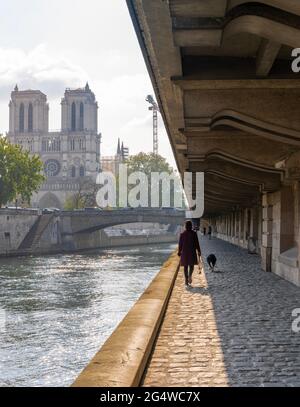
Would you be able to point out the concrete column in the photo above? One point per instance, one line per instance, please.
(287, 240)
(240, 231)
(259, 223)
(234, 226)
(244, 226)
(228, 227)
(255, 227)
(296, 211)
(267, 227)
(297, 217)
(251, 222)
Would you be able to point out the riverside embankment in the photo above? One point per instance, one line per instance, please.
(27, 232)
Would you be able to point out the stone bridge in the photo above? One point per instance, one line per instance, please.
(28, 231)
(82, 222)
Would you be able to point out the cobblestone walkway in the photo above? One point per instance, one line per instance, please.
(233, 328)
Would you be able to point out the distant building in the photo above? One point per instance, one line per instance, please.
(71, 156)
(111, 163)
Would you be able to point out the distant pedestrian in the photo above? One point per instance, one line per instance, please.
(204, 231)
(209, 232)
(187, 250)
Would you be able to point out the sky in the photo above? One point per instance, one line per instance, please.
(51, 45)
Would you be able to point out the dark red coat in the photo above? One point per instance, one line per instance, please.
(188, 247)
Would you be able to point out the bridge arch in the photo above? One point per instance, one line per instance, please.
(88, 222)
(50, 200)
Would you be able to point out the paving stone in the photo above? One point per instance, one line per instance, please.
(233, 328)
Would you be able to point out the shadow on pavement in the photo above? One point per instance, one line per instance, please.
(252, 310)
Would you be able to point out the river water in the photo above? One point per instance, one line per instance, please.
(56, 311)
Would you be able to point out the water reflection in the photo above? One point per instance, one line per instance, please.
(60, 309)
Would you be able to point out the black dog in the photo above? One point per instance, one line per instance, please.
(211, 260)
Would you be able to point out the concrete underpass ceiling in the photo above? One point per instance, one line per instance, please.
(230, 101)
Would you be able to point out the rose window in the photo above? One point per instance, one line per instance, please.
(52, 168)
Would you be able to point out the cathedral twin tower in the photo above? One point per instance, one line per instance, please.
(71, 155)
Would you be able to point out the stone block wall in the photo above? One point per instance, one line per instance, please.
(14, 226)
(274, 226)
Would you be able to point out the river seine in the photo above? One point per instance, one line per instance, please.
(56, 311)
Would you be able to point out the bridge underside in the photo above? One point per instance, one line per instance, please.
(230, 102)
(74, 223)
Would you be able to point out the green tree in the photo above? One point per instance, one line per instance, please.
(74, 201)
(20, 173)
(84, 197)
(153, 163)
(148, 163)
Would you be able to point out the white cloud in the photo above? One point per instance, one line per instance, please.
(37, 69)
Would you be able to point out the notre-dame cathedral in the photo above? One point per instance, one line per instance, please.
(71, 156)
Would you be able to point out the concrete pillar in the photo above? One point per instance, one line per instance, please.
(234, 225)
(254, 227)
(297, 217)
(242, 227)
(259, 229)
(267, 227)
(249, 220)
(245, 237)
(287, 240)
(240, 232)
(227, 226)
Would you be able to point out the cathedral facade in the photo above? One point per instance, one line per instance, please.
(71, 156)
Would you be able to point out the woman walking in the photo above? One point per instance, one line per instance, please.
(188, 248)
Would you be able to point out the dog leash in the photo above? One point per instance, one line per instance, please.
(200, 264)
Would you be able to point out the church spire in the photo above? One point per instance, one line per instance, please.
(16, 88)
(87, 88)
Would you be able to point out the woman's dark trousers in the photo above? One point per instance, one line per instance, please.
(188, 271)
